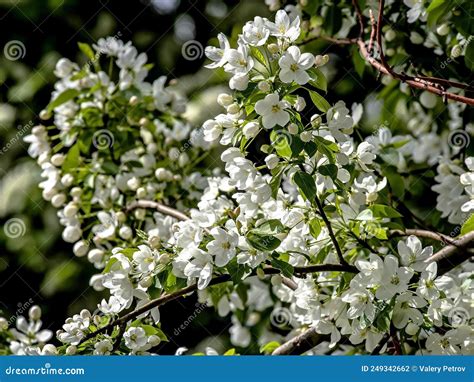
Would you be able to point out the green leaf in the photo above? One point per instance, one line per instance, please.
(255, 52)
(435, 4)
(72, 159)
(318, 80)
(276, 181)
(383, 211)
(333, 20)
(286, 269)
(230, 352)
(314, 227)
(269, 347)
(358, 62)
(236, 271)
(65, 96)
(468, 226)
(262, 242)
(464, 21)
(328, 170)
(396, 181)
(306, 184)
(87, 50)
(319, 101)
(469, 55)
(270, 227)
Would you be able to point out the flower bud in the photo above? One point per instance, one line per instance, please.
(233, 108)
(57, 159)
(143, 121)
(264, 86)
(306, 136)
(44, 115)
(251, 129)
(133, 100)
(456, 51)
(443, 29)
(164, 259)
(49, 349)
(390, 35)
(416, 38)
(224, 99)
(183, 159)
(34, 313)
(133, 183)
(140, 214)
(58, 200)
(76, 192)
(154, 241)
(125, 232)
(70, 210)
(273, 48)
(95, 255)
(3, 324)
(71, 234)
(300, 103)
(80, 248)
(293, 128)
(71, 350)
(316, 120)
(67, 180)
(154, 340)
(272, 161)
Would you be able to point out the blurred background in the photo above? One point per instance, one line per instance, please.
(37, 266)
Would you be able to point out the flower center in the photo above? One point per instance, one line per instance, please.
(395, 280)
(294, 67)
(276, 108)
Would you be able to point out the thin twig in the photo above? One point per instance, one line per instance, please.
(423, 233)
(331, 232)
(372, 31)
(149, 204)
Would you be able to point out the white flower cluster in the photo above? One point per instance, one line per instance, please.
(302, 197)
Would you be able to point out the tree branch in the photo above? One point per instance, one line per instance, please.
(216, 280)
(429, 84)
(452, 255)
(301, 343)
(423, 233)
(149, 204)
